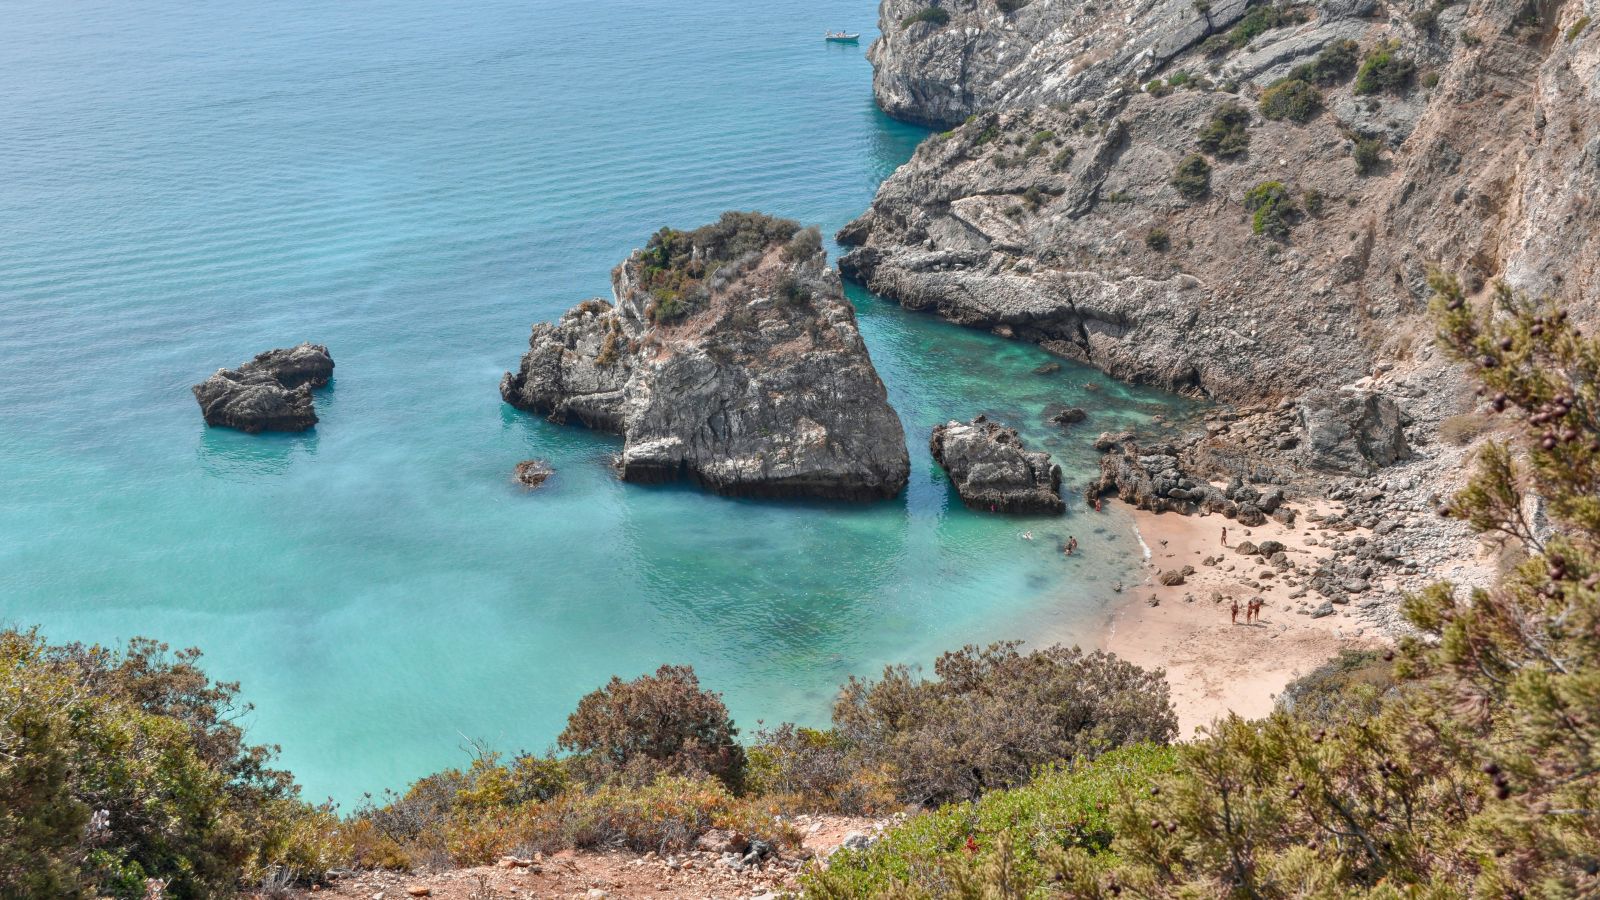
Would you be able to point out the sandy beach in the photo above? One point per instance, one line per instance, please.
(1213, 664)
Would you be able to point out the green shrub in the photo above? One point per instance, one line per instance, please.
(1577, 28)
(1037, 143)
(1368, 155)
(1430, 80)
(1178, 79)
(1157, 239)
(994, 715)
(1274, 212)
(1314, 201)
(1258, 21)
(1291, 99)
(674, 264)
(1383, 70)
(806, 244)
(792, 290)
(1062, 159)
(1226, 134)
(121, 767)
(1157, 88)
(933, 15)
(1063, 808)
(1334, 65)
(661, 723)
(1192, 177)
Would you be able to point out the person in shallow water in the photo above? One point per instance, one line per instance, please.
(1072, 544)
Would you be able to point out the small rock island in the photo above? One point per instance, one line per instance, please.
(730, 358)
(992, 470)
(269, 393)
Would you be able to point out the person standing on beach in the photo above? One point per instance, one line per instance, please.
(1224, 535)
(1235, 610)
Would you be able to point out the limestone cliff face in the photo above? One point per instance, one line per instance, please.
(990, 56)
(731, 358)
(1058, 213)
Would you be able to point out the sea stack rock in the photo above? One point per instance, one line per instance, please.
(730, 357)
(991, 469)
(269, 393)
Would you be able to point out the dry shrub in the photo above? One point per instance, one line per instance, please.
(1464, 429)
(655, 724)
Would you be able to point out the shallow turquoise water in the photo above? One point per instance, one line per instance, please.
(414, 183)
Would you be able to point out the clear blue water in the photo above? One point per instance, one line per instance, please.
(414, 183)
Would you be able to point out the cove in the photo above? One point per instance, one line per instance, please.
(414, 184)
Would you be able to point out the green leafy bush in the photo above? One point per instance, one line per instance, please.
(1157, 88)
(1577, 28)
(1291, 99)
(933, 15)
(1334, 65)
(1383, 70)
(1066, 807)
(1062, 159)
(1368, 155)
(1258, 21)
(1192, 177)
(1274, 211)
(1157, 239)
(661, 723)
(116, 768)
(1226, 134)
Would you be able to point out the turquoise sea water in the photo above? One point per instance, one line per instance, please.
(414, 183)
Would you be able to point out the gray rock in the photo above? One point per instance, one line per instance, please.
(271, 392)
(531, 473)
(758, 385)
(1326, 609)
(1350, 431)
(991, 469)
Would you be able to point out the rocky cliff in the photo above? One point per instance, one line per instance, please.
(1233, 203)
(730, 357)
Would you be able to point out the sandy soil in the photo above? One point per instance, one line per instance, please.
(1213, 664)
(617, 874)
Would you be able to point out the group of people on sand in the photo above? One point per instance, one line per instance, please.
(1252, 610)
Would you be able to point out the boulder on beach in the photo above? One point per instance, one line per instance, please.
(271, 392)
(991, 469)
(730, 358)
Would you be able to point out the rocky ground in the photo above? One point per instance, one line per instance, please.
(715, 870)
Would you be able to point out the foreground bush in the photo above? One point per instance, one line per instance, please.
(661, 723)
(1017, 829)
(120, 770)
(995, 715)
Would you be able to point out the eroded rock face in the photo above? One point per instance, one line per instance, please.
(1053, 215)
(730, 358)
(1045, 52)
(991, 470)
(271, 392)
(1351, 431)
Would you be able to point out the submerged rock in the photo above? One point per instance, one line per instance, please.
(730, 358)
(992, 470)
(530, 473)
(271, 392)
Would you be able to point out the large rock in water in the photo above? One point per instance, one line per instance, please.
(992, 470)
(731, 358)
(269, 393)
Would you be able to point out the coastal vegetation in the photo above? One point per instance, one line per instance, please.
(1291, 99)
(1383, 69)
(674, 265)
(1192, 178)
(1226, 135)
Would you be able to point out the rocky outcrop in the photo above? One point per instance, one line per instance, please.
(730, 357)
(988, 57)
(531, 473)
(992, 470)
(1351, 432)
(271, 392)
(1058, 214)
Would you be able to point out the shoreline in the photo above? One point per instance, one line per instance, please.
(1214, 666)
